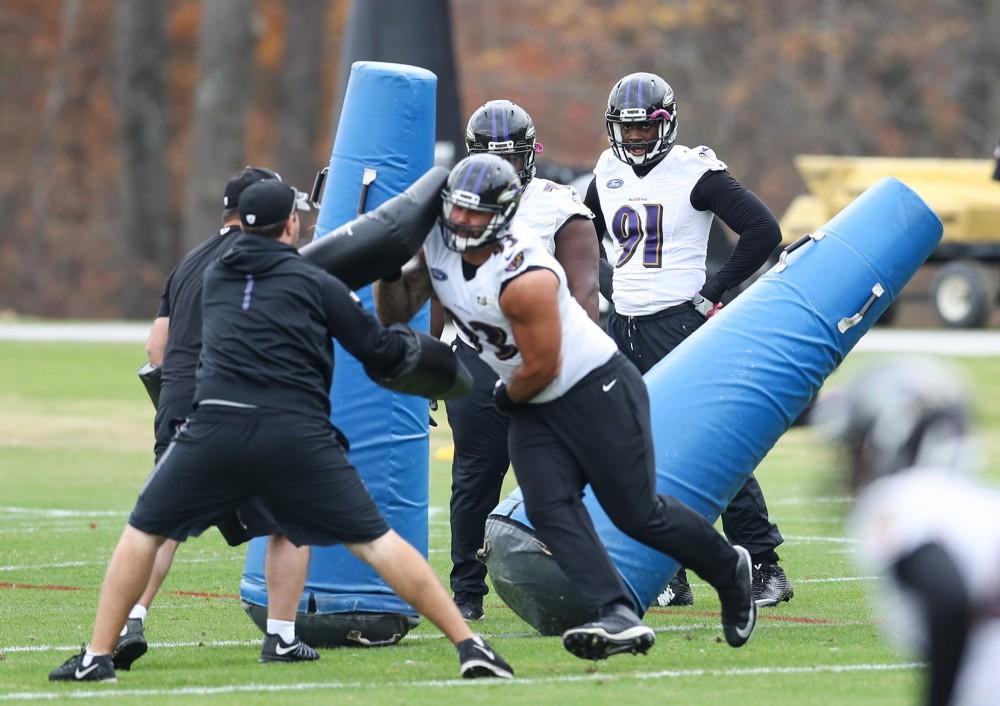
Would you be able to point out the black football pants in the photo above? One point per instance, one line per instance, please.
(599, 433)
(477, 471)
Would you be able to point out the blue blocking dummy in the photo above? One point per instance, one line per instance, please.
(384, 142)
(722, 399)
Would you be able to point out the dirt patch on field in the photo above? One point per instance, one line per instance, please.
(121, 426)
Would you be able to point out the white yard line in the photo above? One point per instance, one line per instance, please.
(113, 692)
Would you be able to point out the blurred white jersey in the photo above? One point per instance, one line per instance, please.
(546, 206)
(660, 239)
(474, 307)
(898, 514)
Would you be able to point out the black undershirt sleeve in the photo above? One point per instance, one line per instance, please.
(605, 271)
(593, 202)
(930, 574)
(748, 217)
(377, 347)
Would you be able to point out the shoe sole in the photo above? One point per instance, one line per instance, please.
(768, 602)
(597, 644)
(125, 655)
(272, 659)
(738, 640)
(478, 669)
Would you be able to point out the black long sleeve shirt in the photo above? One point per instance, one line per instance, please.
(269, 316)
(739, 208)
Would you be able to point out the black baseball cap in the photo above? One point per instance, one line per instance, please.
(251, 175)
(236, 185)
(266, 203)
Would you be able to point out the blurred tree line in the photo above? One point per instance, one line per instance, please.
(122, 119)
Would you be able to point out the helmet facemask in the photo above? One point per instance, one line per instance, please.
(484, 184)
(641, 98)
(505, 129)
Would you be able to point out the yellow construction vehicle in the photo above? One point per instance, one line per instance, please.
(961, 192)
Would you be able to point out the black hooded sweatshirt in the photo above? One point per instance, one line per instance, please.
(269, 316)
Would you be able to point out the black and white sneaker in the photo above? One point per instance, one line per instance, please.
(616, 630)
(739, 611)
(131, 645)
(275, 649)
(770, 585)
(100, 669)
(677, 593)
(471, 607)
(477, 660)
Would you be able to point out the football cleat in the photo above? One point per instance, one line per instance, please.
(100, 668)
(677, 593)
(275, 649)
(616, 630)
(131, 645)
(477, 660)
(471, 607)
(739, 611)
(770, 585)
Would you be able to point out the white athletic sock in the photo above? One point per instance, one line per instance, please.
(88, 657)
(285, 629)
(138, 611)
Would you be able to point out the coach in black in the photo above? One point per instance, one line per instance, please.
(261, 428)
(174, 345)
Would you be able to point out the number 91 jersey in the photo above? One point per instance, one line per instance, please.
(660, 239)
(473, 305)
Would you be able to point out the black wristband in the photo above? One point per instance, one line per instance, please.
(393, 276)
(502, 401)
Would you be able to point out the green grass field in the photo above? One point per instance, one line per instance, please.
(75, 440)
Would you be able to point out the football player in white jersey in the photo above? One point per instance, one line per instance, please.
(557, 216)
(923, 525)
(657, 200)
(559, 374)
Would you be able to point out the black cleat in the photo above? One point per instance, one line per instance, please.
(616, 630)
(477, 660)
(100, 669)
(130, 646)
(677, 593)
(739, 612)
(770, 585)
(275, 649)
(471, 607)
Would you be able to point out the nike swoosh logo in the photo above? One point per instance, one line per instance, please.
(609, 385)
(282, 651)
(485, 651)
(82, 673)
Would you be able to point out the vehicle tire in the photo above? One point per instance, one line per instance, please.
(963, 293)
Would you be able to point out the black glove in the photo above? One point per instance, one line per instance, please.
(502, 401)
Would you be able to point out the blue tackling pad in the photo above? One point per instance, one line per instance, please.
(722, 399)
(387, 125)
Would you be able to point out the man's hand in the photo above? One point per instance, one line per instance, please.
(705, 307)
(502, 401)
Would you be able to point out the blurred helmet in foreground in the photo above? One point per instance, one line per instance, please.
(896, 415)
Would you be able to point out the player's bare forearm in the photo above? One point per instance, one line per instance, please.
(530, 303)
(398, 301)
(156, 344)
(577, 251)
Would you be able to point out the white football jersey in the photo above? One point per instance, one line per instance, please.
(546, 206)
(899, 513)
(660, 239)
(474, 307)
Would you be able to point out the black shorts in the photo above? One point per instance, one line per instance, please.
(223, 456)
